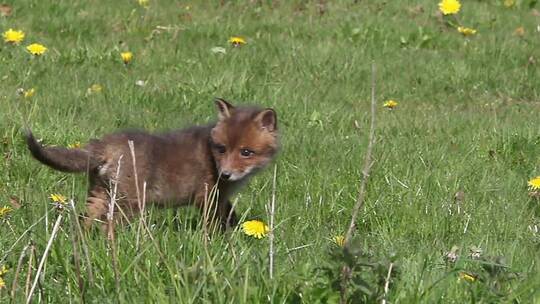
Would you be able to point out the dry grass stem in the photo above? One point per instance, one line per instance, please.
(142, 218)
(21, 237)
(205, 215)
(289, 250)
(210, 209)
(271, 232)
(387, 283)
(76, 254)
(18, 270)
(345, 278)
(233, 207)
(83, 242)
(134, 162)
(141, 202)
(44, 257)
(29, 270)
(110, 225)
(213, 207)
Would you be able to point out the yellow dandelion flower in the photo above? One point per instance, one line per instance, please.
(255, 228)
(534, 184)
(13, 36)
(29, 93)
(449, 7)
(3, 270)
(58, 198)
(36, 49)
(390, 104)
(127, 57)
(469, 277)
(5, 211)
(144, 3)
(466, 31)
(237, 41)
(95, 88)
(75, 145)
(339, 240)
(509, 3)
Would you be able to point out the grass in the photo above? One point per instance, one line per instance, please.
(467, 120)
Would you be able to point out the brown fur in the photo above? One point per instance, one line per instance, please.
(179, 167)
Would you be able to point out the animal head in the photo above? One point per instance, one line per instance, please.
(243, 140)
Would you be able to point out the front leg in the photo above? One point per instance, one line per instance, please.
(214, 213)
(227, 215)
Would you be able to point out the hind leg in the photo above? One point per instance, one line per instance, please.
(97, 205)
(97, 209)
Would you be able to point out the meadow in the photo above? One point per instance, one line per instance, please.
(448, 204)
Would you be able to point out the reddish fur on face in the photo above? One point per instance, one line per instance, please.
(244, 130)
(179, 167)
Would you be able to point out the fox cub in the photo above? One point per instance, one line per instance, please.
(180, 167)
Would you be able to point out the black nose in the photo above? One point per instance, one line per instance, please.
(225, 175)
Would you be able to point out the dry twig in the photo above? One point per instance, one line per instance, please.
(368, 162)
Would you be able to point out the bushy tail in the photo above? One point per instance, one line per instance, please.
(60, 158)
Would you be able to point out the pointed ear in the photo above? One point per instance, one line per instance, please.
(268, 119)
(224, 107)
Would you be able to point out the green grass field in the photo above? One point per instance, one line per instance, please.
(467, 123)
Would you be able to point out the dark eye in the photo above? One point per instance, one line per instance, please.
(220, 148)
(246, 152)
